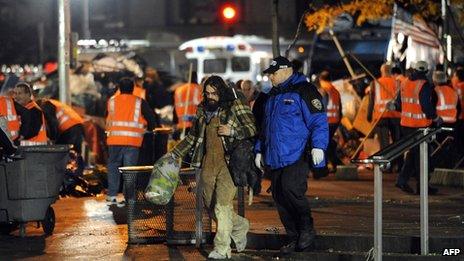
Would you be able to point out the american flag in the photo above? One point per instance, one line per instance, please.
(419, 31)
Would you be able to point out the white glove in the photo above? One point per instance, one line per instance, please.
(317, 155)
(259, 161)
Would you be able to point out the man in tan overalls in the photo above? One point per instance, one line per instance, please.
(220, 120)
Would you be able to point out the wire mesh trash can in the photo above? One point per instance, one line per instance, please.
(178, 222)
(30, 185)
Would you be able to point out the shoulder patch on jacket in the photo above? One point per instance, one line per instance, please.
(311, 96)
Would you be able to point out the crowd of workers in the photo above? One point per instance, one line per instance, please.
(292, 125)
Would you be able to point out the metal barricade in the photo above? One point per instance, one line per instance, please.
(382, 159)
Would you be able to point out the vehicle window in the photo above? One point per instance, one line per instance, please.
(215, 65)
(240, 64)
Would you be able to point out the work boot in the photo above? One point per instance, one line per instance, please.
(307, 234)
(306, 240)
(216, 255)
(289, 248)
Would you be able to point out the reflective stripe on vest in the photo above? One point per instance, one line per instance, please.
(447, 103)
(126, 133)
(32, 143)
(127, 124)
(413, 115)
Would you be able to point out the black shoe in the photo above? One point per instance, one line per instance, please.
(306, 240)
(288, 248)
(320, 172)
(405, 188)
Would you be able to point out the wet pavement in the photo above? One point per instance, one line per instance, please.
(86, 228)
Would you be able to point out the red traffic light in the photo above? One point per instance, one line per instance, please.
(228, 13)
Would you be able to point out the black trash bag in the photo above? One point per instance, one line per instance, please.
(242, 165)
(74, 182)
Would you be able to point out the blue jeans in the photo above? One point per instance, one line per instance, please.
(119, 156)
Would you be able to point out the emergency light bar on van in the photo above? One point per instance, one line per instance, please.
(228, 48)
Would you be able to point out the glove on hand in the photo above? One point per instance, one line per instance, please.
(259, 161)
(317, 155)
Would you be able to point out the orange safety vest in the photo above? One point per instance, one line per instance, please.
(41, 138)
(447, 103)
(333, 105)
(459, 87)
(66, 116)
(186, 108)
(384, 93)
(138, 91)
(411, 111)
(7, 110)
(125, 124)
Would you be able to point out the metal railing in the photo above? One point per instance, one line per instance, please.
(382, 159)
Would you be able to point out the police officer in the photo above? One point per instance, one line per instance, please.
(294, 118)
(417, 111)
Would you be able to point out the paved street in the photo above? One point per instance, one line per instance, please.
(87, 228)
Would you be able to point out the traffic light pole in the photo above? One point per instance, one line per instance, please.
(64, 29)
(275, 28)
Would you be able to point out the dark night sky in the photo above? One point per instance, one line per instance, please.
(21, 22)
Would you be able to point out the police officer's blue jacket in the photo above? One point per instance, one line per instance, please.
(295, 121)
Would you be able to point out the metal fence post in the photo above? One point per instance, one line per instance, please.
(377, 213)
(424, 204)
(198, 209)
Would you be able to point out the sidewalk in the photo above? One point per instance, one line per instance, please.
(343, 212)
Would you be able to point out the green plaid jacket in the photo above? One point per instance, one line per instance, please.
(239, 118)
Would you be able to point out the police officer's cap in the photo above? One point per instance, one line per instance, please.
(278, 63)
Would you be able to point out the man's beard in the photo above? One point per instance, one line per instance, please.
(211, 105)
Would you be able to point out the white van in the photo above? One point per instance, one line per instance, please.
(232, 58)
